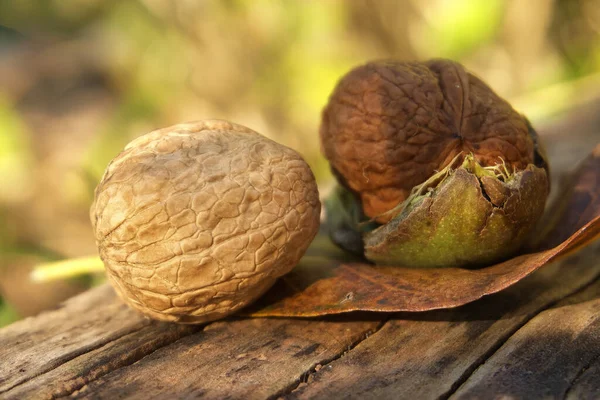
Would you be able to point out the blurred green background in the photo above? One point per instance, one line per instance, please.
(81, 78)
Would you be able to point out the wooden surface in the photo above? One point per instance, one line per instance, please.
(540, 338)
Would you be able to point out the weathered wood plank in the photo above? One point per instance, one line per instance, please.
(544, 358)
(586, 386)
(37, 345)
(75, 373)
(246, 358)
(428, 355)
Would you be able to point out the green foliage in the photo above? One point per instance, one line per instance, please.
(58, 16)
(455, 28)
(15, 165)
(15, 158)
(8, 314)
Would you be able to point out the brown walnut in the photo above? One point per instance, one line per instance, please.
(195, 221)
(389, 126)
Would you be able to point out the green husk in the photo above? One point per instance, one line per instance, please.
(463, 216)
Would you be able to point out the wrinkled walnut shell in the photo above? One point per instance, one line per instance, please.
(196, 221)
(390, 125)
(394, 133)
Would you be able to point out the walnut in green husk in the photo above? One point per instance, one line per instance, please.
(443, 172)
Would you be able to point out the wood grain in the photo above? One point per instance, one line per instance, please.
(586, 384)
(250, 358)
(547, 356)
(428, 355)
(37, 345)
(75, 373)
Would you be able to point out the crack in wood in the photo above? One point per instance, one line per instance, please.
(131, 358)
(468, 373)
(305, 376)
(579, 374)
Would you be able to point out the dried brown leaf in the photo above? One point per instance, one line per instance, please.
(322, 286)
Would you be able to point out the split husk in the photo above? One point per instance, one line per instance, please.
(461, 217)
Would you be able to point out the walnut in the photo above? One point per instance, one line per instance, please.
(390, 125)
(435, 169)
(196, 221)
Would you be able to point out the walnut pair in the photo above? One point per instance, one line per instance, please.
(195, 221)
